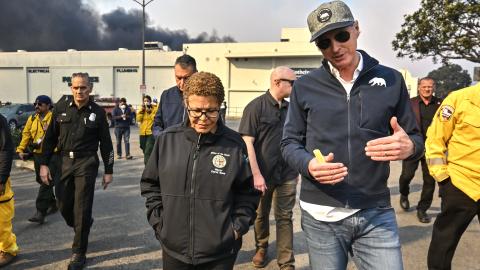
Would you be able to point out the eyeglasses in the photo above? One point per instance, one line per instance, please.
(342, 37)
(291, 82)
(38, 104)
(210, 114)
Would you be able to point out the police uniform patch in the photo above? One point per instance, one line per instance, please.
(219, 161)
(446, 112)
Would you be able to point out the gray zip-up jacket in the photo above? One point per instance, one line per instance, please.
(323, 116)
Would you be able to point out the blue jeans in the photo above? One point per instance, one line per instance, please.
(370, 236)
(125, 133)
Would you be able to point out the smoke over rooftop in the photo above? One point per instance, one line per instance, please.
(59, 25)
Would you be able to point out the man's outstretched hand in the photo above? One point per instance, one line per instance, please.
(398, 146)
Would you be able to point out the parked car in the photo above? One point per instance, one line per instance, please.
(108, 104)
(17, 114)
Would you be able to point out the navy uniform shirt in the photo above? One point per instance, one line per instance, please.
(79, 130)
(263, 119)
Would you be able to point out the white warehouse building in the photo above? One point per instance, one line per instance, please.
(244, 69)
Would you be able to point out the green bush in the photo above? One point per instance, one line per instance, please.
(16, 136)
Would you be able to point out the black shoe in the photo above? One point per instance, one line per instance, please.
(128, 157)
(404, 203)
(77, 261)
(423, 217)
(37, 218)
(52, 209)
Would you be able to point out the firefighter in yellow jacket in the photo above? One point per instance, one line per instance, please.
(8, 241)
(453, 157)
(145, 117)
(33, 135)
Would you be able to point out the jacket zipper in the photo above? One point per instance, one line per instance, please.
(192, 194)
(349, 140)
(349, 129)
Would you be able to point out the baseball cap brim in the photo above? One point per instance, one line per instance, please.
(331, 27)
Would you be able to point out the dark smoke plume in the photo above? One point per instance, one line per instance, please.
(56, 25)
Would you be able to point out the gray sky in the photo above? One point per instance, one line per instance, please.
(262, 20)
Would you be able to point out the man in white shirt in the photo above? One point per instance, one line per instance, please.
(358, 112)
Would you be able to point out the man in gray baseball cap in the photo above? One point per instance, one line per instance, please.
(358, 113)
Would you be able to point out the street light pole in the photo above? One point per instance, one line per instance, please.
(143, 4)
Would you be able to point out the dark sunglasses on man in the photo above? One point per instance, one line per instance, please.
(324, 43)
(291, 82)
(39, 104)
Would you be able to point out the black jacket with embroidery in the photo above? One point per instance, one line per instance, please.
(323, 116)
(198, 189)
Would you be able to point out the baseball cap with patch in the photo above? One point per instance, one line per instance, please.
(329, 16)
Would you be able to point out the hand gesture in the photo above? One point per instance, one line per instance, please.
(395, 147)
(328, 172)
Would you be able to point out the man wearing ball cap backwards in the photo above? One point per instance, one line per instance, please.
(358, 113)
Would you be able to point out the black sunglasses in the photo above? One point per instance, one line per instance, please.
(342, 37)
(291, 82)
(38, 103)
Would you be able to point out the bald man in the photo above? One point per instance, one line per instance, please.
(261, 128)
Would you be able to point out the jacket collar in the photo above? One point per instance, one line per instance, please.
(46, 117)
(368, 63)
(434, 100)
(274, 102)
(87, 106)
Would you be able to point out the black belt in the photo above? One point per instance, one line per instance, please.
(83, 154)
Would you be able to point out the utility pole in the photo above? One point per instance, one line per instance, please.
(143, 4)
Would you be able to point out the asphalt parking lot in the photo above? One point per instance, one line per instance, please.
(122, 239)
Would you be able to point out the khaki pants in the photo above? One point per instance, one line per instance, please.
(283, 198)
(8, 240)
